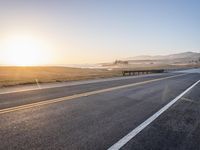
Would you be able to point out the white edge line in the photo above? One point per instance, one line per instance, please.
(138, 129)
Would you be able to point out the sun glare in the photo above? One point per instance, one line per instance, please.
(24, 51)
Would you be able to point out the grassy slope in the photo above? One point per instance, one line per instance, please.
(10, 76)
(28, 75)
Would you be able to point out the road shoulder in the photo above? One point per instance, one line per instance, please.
(177, 128)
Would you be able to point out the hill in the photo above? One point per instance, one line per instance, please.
(179, 60)
(185, 55)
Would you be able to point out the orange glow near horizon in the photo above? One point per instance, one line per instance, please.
(22, 50)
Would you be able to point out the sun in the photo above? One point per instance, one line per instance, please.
(24, 51)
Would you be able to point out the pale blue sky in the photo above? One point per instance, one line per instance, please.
(99, 31)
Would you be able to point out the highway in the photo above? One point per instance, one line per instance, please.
(110, 114)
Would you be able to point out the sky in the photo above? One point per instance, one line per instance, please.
(59, 32)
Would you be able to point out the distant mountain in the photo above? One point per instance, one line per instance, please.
(185, 55)
(186, 58)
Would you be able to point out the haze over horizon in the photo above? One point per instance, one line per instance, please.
(47, 32)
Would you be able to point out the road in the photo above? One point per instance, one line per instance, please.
(97, 115)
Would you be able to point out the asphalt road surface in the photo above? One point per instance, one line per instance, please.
(98, 115)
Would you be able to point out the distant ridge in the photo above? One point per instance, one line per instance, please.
(178, 59)
(187, 55)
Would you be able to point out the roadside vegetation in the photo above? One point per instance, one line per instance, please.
(11, 76)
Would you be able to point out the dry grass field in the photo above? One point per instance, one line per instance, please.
(10, 76)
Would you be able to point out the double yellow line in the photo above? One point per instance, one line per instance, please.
(56, 100)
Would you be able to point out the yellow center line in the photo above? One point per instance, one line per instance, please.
(56, 100)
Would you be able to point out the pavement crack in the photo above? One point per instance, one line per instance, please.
(190, 100)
